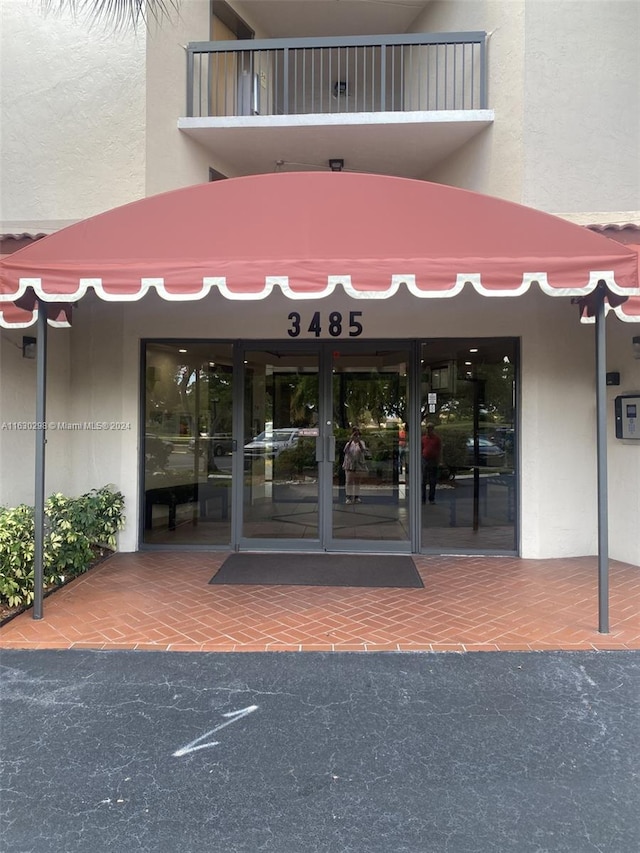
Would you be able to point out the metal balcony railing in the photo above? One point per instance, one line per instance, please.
(391, 73)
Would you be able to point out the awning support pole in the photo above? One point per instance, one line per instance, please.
(601, 421)
(41, 438)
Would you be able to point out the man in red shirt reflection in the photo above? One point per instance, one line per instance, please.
(431, 454)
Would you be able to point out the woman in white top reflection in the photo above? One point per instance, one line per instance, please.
(354, 465)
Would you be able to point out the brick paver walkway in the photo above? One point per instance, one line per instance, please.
(163, 601)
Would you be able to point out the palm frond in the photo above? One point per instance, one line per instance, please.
(119, 13)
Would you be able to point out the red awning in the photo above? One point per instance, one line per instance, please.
(627, 310)
(309, 233)
(630, 310)
(24, 313)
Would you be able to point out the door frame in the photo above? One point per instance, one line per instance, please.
(325, 542)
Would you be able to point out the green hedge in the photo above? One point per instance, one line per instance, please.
(74, 528)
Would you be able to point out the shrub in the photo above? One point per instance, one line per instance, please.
(16, 555)
(294, 460)
(74, 528)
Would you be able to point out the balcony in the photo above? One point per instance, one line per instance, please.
(393, 104)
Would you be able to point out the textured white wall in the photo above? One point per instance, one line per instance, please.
(564, 81)
(72, 100)
(492, 162)
(582, 105)
(18, 404)
(105, 388)
(173, 159)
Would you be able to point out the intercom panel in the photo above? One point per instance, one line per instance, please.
(628, 416)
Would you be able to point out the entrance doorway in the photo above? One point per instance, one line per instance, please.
(300, 406)
(244, 445)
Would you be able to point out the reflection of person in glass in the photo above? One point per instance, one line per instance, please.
(402, 446)
(354, 464)
(431, 453)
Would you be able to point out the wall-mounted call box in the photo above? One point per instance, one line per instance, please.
(628, 416)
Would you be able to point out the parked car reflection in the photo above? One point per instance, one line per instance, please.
(488, 452)
(270, 443)
(212, 445)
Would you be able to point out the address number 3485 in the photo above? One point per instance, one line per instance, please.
(332, 323)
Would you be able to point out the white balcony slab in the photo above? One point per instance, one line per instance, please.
(405, 144)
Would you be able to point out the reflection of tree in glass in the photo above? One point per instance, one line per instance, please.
(494, 385)
(363, 398)
(303, 405)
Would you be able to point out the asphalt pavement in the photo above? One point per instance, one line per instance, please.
(320, 753)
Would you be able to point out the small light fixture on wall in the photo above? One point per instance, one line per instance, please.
(336, 165)
(339, 88)
(29, 347)
(636, 346)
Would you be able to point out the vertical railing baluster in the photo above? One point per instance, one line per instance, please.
(285, 81)
(346, 81)
(446, 77)
(392, 89)
(483, 74)
(304, 80)
(383, 79)
(364, 78)
(189, 83)
(295, 80)
(464, 72)
(313, 81)
(455, 75)
(355, 82)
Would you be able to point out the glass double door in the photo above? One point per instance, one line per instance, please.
(300, 407)
(243, 445)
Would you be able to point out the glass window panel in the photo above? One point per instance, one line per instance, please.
(281, 411)
(188, 443)
(370, 393)
(469, 485)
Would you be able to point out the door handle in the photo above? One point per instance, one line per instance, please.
(331, 454)
(318, 449)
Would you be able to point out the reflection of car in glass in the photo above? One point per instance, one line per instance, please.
(271, 443)
(156, 450)
(489, 453)
(504, 438)
(212, 445)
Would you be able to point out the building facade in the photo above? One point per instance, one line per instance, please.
(222, 403)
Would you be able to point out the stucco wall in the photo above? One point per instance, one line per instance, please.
(173, 159)
(582, 105)
(72, 141)
(493, 161)
(564, 81)
(18, 406)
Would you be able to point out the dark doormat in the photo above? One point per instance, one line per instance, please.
(374, 570)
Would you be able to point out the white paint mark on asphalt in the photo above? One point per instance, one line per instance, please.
(195, 745)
